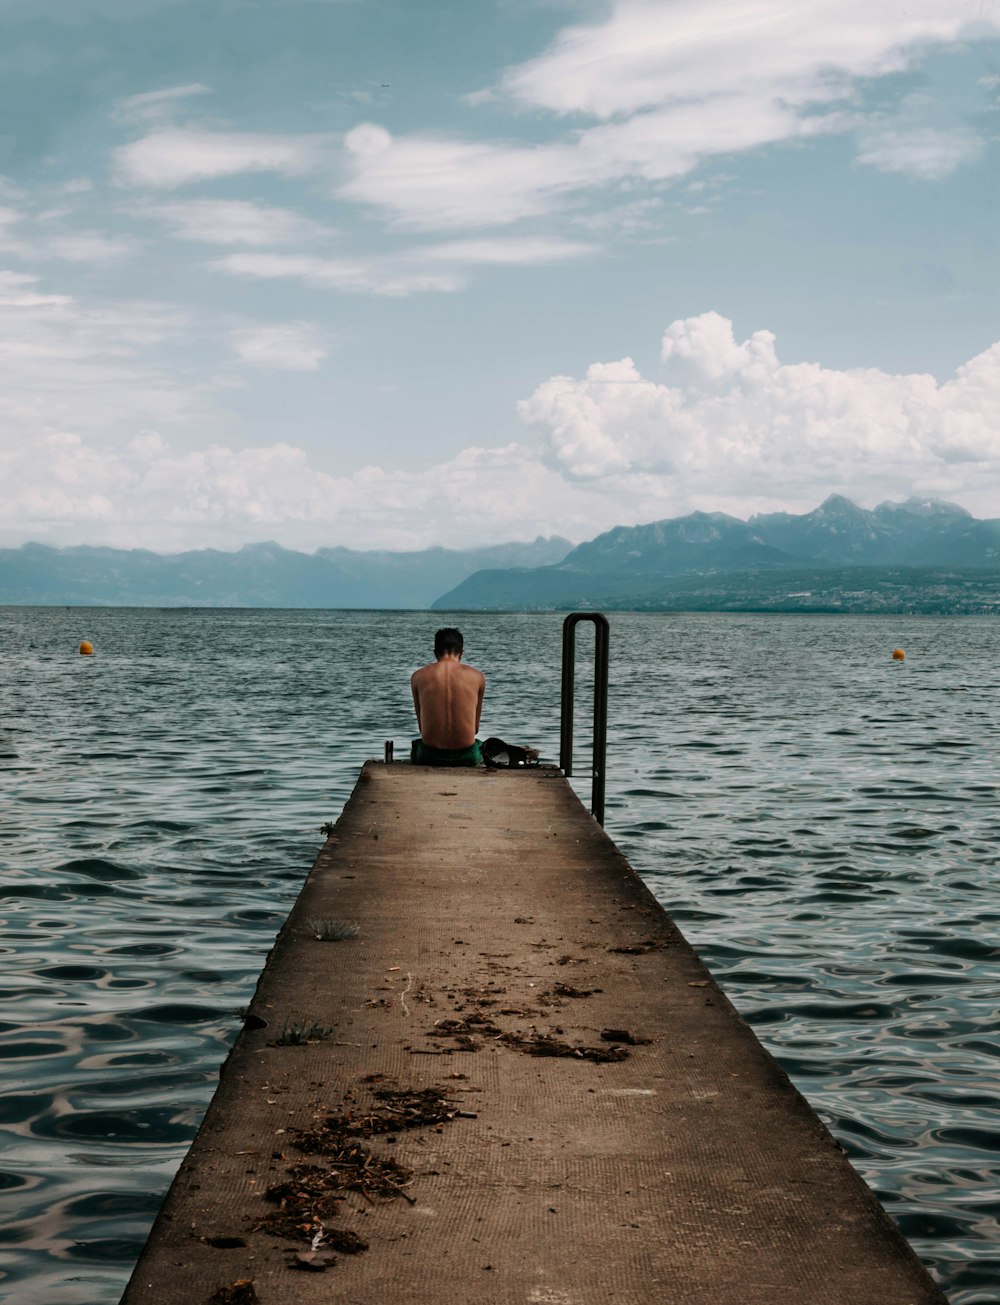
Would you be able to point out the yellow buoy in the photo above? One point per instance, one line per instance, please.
(898, 655)
(87, 649)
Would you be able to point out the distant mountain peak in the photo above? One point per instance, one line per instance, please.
(699, 515)
(262, 546)
(924, 507)
(839, 505)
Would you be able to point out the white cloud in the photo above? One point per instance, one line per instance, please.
(39, 236)
(65, 489)
(65, 365)
(634, 217)
(918, 139)
(436, 182)
(729, 427)
(367, 139)
(668, 86)
(287, 346)
(81, 399)
(9, 239)
(411, 271)
(512, 251)
(357, 276)
(233, 222)
(88, 247)
(154, 106)
(733, 427)
(647, 54)
(172, 157)
(924, 152)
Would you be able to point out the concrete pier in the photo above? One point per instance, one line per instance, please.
(516, 1083)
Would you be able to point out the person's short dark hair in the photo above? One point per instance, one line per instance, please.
(448, 640)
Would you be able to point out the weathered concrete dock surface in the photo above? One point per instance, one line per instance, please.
(497, 920)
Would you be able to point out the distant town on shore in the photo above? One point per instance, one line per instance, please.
(920, 556)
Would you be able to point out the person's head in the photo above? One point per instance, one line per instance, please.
(448, 643)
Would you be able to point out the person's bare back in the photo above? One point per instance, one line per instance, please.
(448, 696)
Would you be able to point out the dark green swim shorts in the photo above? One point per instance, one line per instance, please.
(422, 754)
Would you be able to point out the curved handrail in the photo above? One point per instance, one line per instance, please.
(601, 645)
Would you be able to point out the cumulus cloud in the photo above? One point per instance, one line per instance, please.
(95, 434)
(67, 489)
(732, 426)
(666, 87)
(90, 429)
(174, 156)
(288, 346)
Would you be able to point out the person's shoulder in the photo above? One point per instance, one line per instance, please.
(475, 671)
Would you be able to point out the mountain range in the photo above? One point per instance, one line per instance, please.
(923, 554)
(258, 575)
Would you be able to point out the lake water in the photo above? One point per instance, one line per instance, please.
(821, 821)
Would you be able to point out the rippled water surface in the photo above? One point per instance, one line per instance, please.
(821, 821)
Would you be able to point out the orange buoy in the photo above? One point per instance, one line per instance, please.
(898, 655)
(87, 649)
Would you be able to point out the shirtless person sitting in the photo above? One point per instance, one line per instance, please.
(448, 700)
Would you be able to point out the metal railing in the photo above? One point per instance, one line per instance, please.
(601, 643)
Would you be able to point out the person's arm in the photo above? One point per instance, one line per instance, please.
(416, 701)
(479, 702)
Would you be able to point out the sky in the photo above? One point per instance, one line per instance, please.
(393, 275)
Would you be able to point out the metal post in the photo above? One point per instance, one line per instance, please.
(568, 677)
(601, 659)
(600, 758)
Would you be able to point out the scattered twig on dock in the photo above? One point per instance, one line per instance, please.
(637, 949)
(240, 1292)
(623, 1035)
(542, 1045)
(567, 990)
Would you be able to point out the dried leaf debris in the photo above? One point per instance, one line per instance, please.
(540, 1044)
(240, 1292)
(310, 1195)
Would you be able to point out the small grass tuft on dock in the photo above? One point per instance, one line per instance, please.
(298, 1033)
(333, 930)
